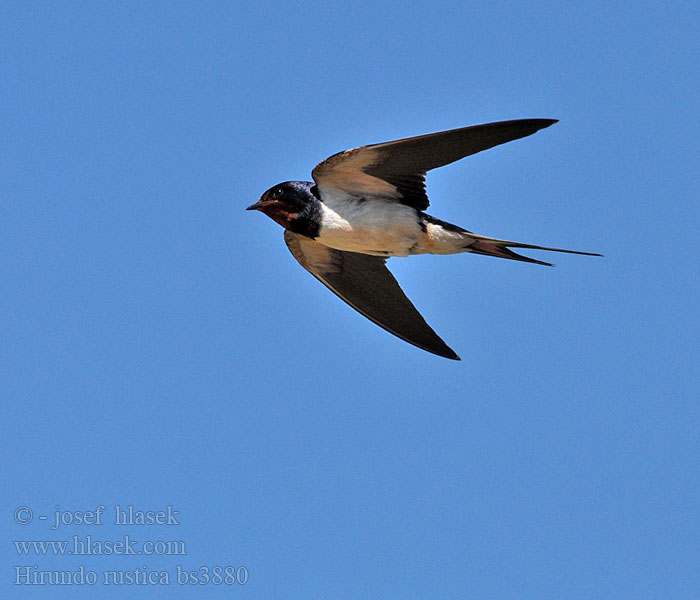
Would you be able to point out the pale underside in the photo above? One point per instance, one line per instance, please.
(383, 227)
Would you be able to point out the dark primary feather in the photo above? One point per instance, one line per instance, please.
(403, 163)
(366, 284)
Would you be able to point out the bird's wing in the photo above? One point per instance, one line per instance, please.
(365, 283)
(396, 170)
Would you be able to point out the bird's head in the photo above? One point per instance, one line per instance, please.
(286, 202)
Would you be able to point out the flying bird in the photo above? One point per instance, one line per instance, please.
(367, 204)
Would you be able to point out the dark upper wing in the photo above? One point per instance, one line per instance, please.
(397, 169)
(365, 283)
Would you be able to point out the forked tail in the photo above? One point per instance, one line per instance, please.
(501, 248)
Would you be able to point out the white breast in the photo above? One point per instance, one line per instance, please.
(370, 226)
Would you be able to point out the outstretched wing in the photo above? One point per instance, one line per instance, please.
(397, 169)
(365, 283)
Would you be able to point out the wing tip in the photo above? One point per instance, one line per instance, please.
(544, 123)
(444, 351)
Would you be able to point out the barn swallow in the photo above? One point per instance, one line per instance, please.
(367, 204)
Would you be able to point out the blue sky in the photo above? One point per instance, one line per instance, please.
(161, 347)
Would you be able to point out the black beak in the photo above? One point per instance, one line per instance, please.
(257, 206)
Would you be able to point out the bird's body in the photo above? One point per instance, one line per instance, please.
(374, 226)
(368, 225)
(367, 205)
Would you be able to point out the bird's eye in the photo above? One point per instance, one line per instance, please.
(276, 193)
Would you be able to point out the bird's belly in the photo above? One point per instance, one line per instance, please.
(371, 229)
(382, 242)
